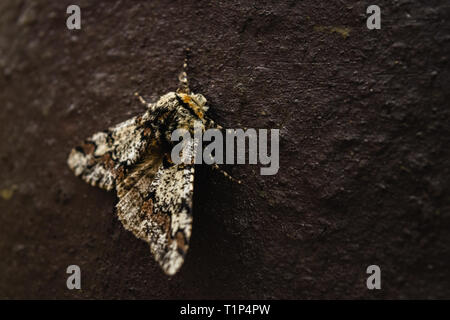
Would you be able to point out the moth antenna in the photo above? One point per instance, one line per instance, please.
(183, 86)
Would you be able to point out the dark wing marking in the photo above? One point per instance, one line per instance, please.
(102, 160)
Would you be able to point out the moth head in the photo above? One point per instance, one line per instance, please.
(197, 102)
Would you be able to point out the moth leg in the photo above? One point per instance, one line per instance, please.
(226, 174)
(210, 124)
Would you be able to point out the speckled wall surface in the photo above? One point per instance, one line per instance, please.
(364, 147)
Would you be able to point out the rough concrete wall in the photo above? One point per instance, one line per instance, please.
(364, 120)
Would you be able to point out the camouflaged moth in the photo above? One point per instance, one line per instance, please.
(133, 158)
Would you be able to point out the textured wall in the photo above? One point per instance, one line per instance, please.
(364, 120)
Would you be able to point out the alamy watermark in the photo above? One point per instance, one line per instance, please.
(73, 21)
(190, 148)
(374, 20)
(74, 280)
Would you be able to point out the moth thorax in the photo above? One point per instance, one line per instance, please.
(197, 103)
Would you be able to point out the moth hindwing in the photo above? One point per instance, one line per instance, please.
(133, 157)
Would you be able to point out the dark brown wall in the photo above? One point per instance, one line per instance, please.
(364, 150)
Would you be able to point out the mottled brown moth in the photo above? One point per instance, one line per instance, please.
(133, 158)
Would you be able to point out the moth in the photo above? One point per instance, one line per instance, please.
(133, 158)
